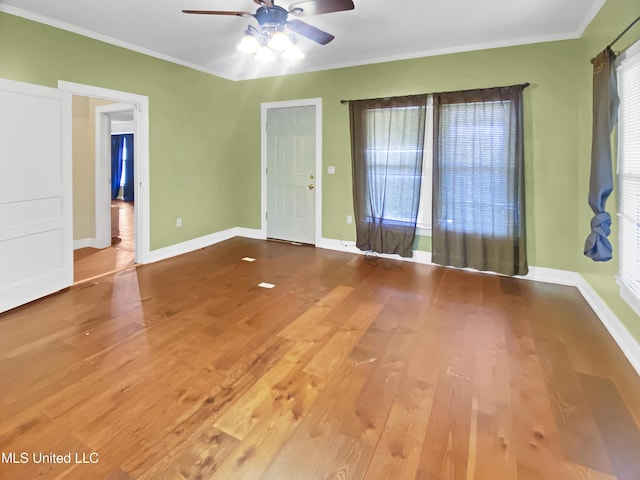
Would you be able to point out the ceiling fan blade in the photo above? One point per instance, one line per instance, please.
(318, 7)
(309, 31)
(218, 12)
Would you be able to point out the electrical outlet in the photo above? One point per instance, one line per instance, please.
(349, 219)
(178, 222)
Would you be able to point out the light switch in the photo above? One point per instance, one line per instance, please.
(331, 169)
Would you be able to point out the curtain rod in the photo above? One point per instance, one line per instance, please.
(623, 32)
(524, 85)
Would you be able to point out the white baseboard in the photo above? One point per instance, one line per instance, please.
(552, 275)
(627, 343)
(190, 245)
(84, 243)
(251, 233)
(350, 247)
(202, 242)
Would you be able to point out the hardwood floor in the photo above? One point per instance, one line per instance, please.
(89, 263)
(347, 369)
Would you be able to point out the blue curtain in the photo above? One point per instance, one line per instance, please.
(605, 115)
(128, 167)
(119, 145)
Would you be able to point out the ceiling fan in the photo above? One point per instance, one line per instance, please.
(272, 20)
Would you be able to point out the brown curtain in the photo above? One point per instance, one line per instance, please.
(478, 180)
(387, 141)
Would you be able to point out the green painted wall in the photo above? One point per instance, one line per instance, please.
(614, 16)
(191, 158)
(551, 131)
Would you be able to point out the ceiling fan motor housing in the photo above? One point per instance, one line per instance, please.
(271, 17)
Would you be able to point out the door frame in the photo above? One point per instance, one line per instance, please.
(140, 104)
(103, 169)
(264, 110)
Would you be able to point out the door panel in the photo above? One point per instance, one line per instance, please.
(36, 246)
(291, 166)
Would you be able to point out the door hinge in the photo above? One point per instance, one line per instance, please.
(266, 214)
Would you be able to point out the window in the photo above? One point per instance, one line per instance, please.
(477, 137)
(477, 141)
(387, 143)
(629, 176)
(478, 180)
(393, 141)
(424, 212)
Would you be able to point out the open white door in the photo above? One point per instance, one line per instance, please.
(36, 242)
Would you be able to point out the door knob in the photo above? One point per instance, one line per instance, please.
(311, 186)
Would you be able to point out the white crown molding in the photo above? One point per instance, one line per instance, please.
(104, 38)
(236, 78)
(588, 18)
(421, 54)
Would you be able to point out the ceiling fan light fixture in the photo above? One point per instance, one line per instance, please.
(293, 53)
(279, 41)
(264, 55)
(249, 44)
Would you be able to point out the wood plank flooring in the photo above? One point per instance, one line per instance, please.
(89, 263)
(348, 368)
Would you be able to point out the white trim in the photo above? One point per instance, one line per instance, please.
(627, 343)
(202, 242)
(591, 14)
(264, 107)
(84, 243)
(631, 51)
(424, 231)
(102, 167)
(629, 296)
(104, 38)
(419, 256)
(416, 55)
(67, 185)
(389, 58)
(552, 275)
(190, 245)
(140, 103)
(250, 233)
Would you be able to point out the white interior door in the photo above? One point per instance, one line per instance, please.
(36, 242)
(291, 170)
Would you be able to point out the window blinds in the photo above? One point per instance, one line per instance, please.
(629, 176)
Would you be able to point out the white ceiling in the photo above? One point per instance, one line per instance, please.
(375, 31)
